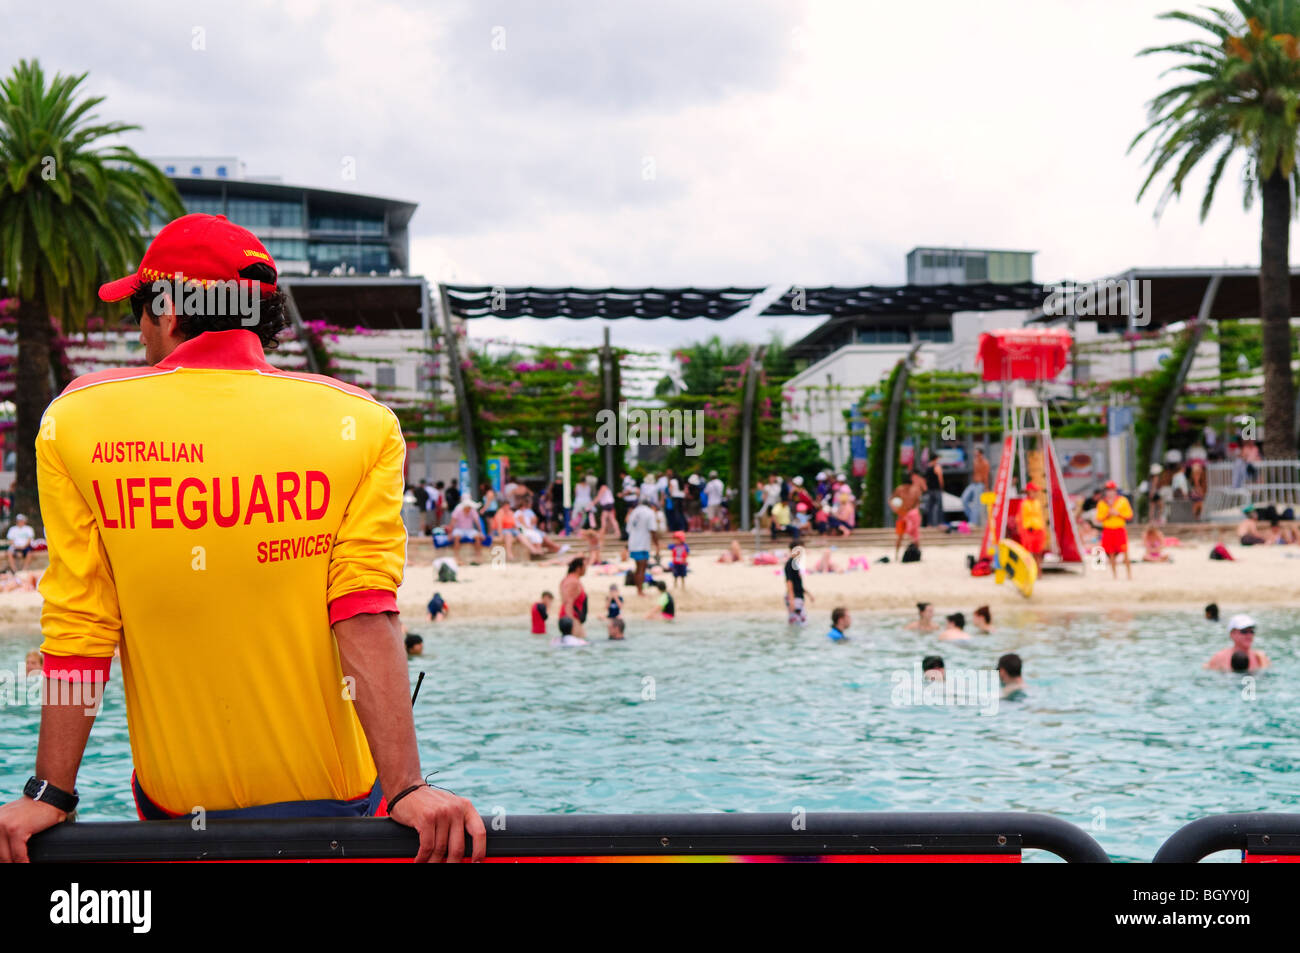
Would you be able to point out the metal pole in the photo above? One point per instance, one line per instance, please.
(747, 429)
(291, 305)
(891, 427)
(1184, 368)
(607, 374)
(468, 445)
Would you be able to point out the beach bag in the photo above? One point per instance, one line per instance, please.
(912, 554)
(446, 573)
(982, 567)
(1221, 552)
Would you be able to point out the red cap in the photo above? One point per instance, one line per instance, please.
(202, 248)
(1111, 485)
(1032, 487)
(679, 535)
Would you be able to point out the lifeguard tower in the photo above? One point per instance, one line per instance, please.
(1023, 360)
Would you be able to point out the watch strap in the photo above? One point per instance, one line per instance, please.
(41, 790)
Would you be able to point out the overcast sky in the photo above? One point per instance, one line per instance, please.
(682, 142)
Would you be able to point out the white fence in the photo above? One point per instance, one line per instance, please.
(1230, 486)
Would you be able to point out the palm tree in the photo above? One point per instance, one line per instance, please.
(1242, 98)
(73, 212)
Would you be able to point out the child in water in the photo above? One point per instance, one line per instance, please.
(616, 626)
(664, 606)
(566, 638)
(540, 611)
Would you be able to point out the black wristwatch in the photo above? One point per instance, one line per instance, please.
(44, 791)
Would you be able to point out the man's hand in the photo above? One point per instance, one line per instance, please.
(22, 818)
(441, 819)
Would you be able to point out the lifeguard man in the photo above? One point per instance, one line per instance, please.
(1114, 512)
(1033, 526)
(235, 530)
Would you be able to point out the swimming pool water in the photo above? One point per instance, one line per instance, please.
(1122, 732)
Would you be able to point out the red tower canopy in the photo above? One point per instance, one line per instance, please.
(1024, 355)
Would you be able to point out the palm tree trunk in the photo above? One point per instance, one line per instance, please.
(1275, 315)
(31, 397)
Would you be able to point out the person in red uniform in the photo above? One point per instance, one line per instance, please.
(541, 610)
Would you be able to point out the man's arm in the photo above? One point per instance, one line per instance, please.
(371, 653)
(366, 565)
(82, 626)
(66, 720)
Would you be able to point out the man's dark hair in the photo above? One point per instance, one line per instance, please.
(837, 614)
(566, 625)
(412, 641)
(958, 619)
(921, 607)
(1212, 612)
(576, 564)
(984, 613)
(931, 662)
(272, 316)
(1010, 663)
(1240, 662)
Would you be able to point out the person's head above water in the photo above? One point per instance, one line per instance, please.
(1240, 661)
(985, 614)
(932, 667)
(1009, 666)
(840, 618)
(1212, 612)
(414, 645)
(957, 620)
(566, 625)
(925, 610)
(1241, 630)
(616, 628)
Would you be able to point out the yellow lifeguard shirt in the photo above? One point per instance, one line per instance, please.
(1031, 514)
(214, 516)
(1114, 517)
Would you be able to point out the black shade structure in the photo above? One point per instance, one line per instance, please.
(839, 302)
(486, 301)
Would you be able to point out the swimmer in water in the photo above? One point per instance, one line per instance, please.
(616, 629)
(984, 619)
(1212, 612)
(1241, 630)
(925, 620)
(1009, 668)
(932, 668)
(34, 661)
(840, 622)
(956, 629)
(566, 638)
(414, 645)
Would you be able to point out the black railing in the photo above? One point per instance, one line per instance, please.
(557, 835)
(1256, 833)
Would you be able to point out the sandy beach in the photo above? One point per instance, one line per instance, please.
(1259, 576)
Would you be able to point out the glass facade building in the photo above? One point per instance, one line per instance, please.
(306, 230)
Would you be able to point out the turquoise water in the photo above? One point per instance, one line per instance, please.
(1122, 733)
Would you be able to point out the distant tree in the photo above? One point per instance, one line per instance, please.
(1240, 96)
(73, 213)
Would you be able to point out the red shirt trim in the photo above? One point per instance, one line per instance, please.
(365, 602)
(75, 668)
